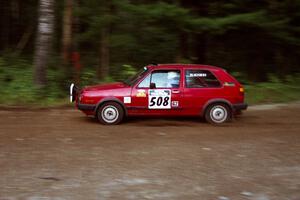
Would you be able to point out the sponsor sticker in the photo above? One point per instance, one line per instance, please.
(127, 99)
(229, 84)
(175, 104)
(141, 93)
(198, 74)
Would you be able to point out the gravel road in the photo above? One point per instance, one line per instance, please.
(60, 154)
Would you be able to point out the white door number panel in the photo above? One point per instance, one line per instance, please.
(159, 99)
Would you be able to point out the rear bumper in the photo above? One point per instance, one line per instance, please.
(240, 106)
(86, 107)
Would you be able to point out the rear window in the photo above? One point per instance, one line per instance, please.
(201, 79)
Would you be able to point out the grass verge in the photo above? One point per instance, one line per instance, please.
(17, 89)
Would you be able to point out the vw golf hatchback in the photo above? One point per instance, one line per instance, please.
(165, 90)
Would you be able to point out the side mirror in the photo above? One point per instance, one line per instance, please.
(152, 86)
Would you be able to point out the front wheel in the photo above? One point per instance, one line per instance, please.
(218, 113)
(110, 113)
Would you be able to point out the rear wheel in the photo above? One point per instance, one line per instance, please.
(110, 113)
(218, 113)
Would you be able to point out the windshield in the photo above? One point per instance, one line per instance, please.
(133, 79)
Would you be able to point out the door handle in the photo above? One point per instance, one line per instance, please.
(175, 91)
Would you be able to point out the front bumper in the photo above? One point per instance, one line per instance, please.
(86, 107)
(240, 106)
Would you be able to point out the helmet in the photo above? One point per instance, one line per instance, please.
(172, 75)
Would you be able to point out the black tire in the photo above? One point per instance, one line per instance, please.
(110, 113)
(218, 113)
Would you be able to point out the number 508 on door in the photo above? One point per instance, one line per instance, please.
(159, 99)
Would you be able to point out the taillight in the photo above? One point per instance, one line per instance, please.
(242, 91)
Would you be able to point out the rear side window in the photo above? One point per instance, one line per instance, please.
(201, 79)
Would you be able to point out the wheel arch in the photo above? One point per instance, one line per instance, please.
(111, 99)
(214, 101)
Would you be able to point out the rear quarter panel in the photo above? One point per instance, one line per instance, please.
(196, 99)
(232, 93)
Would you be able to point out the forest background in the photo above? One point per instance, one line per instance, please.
(47, 44)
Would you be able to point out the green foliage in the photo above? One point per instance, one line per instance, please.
(220, 25)
(15, 81)
(250, 38)
(17, 88)
(16, 85)
(232, 33)
(128, 71)
(88, 77)
(274, 91)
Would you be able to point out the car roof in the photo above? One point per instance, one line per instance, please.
(178, 65)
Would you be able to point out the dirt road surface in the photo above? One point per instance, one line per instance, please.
(60, 154)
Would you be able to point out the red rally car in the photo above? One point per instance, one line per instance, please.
(165, 90)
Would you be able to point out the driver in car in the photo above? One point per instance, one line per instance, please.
(173, 80)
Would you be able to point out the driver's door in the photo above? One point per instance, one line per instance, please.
(159, 93)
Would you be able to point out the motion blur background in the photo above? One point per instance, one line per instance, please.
(47, 44)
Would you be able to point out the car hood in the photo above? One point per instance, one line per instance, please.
(108, 86)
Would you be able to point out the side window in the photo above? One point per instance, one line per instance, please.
(166, 78)
(145, 83)
(200, 79)
(162, 79)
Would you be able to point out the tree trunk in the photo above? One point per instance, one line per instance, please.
(183, 48)
(255, 69)
(24, 39)
(5, 24)
(103, 69)
(104, 48)
(201, 48)
(67, 32)
(280, 63)
(43, 41)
